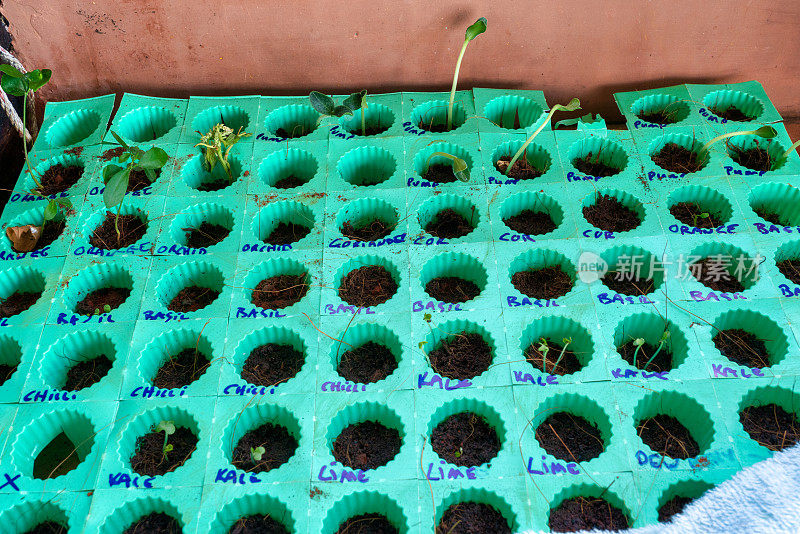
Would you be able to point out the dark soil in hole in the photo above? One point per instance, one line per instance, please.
(461, 356)
(434, 126)
(771, 426)
(367, 524)
(293, 132)
(366, 445)
(465, 439)
(770, 216)
(47, 527)
(586, 513)
(790, 269)
(51, 231)
(440, 173)
(676, 158)
(182, 369)
(289, 182)
(131, 230)
(149, 459)
(742, 347)
(672, 507)
(754, 158)
(280, 291)
(139, 180)
(545, 361)
(713, 273)
(87, 373)
(155, 523)
(279, 446)
(257, 524)
(192, 298)
(367, 286)
(522, 169)
(366, 364)
(452, 289)
(5, 372)
(215, 185)
(371, 129)
(58, 457)
(18, 302)
(570, 437)
(272, 364)
(628, 283)
(591, 165)
(609, 214)
(531, 222)
(205, 235)
(662, 361)
(691, 214)
(58, 179)
(112, 153)
(731, 114)
(472, 518)
(547, 283)
(661, 117)
(666, 435)
(97, 300)
(371, 231)
(449, 224)
(287, 233)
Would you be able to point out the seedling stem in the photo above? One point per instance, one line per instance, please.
(573, 105)
(472, 32)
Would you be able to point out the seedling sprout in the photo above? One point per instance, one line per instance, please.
(168, 427)
(326, 106)
(472, 32)
(543, 348)
(766, 132)
(460, 167)
(256, 454)
(661, 342)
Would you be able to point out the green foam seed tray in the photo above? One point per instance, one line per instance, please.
(362, 208)
(748, 97)
(366, 164)
(114, 510)
(294, 115)
(18, 352)
(674, 102)
(555, 201)
(18, 214)
(384, 112)
(204, 112)
(424, 206)
(69, 509)
(223, 505)
(712, 161)
(185, 214)
(74, 123)
(39, 277)
(499, 110)
(264, 213)
(420, 157)
(142, 119)
(774, 199)
(189, 173)
(308, 162)
(542, 154)
(427, 108)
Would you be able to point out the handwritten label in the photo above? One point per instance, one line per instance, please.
(514, 237)
(435, 306)
(451, 472)
(340, 242)
(773, 229)
(4, 321)
(10, 481)
(266, 248)
(97, 190)
(683, 229)
(42, 253)
(330, 309)
(630, 373)
(721, 371)
(604, 298)
(247, 389)
(637, 124)
(522, 377)
(502, 181)
(329, 474)
(264, 137)
(428, 241)
(552, 468)
(598, 234)
(230, 476)
(788, 291)
(124, 479)
(27, 197)
(710, 117)
(336, 131)
(46, 395)
(343, 387)
(409, 127)
(133, 249)
(653, 175)
(254, 313)
(699, 296)
(742, 172)
(658, 461)
(72, 319)
(574, 177)
(411, 182)
(148, 392)
(442, 383)
(150, 315)
(514, 302)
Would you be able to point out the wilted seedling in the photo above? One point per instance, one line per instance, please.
(573, 105)
(116, 177)
(216, 145)
(472, 32)
(326, 106)
(460, 168)
(168, 427)
(25, 237)
(256, 454)
(765, 132)
(585, 119)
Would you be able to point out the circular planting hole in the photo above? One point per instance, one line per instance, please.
(439, 169)
(613, 210)
(57, 175)
(54, 445)
(280, 291)
(432, 116)
(542, 274)
(233, 117)
(146, 124)
(661, 109)
(292, 121)
(87, 373)
(272, 363)
(72, 128)
(366, 166)
(202, 225)
(190, 286)
(465, 439)
(10, 358)
(557, 345)
(776, 203)
(192, 298)
(150, 458)
(649, 343)
(462, 355)
(367, 219)
(570, 437)
(723, 268)
(44, 235)
(586, 513)
(366, 445)
(512, 112)
(469, 517)
(448, 216)
(132, 227)
(787, 259)
(256, 524)
(771, 426)
(289, 168)
(264, 448)
(197, 176)
(598, 156)
(699, 206)
(368, 285)
(531, 213)
(377, 118)
(367, 363)
(749, 338)
(534, 162)
(283, 223)
(742, 347)
(98, 289)
(181, 369)
(679, 153)
(159, 522)
(452, 289)
(373, 522)
(622, 278)
(733, 105)
(20, 288)
(48, 527)
(453, 277)
(553, 357)
(666, 435)
(755, 153)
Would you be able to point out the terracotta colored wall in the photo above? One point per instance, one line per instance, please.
(565, 47)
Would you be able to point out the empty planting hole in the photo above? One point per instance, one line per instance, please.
(771, 426)
(367, 166)
(369, 285)
(570, 437)
(146, 124)
(512, 112)
(586, 513)
(72, 128)
(86, 373)
(721, 272)
(193, 298)
(373, 522)
(598, 157)
(20, 289)
(666, 435)
(735, 106)
(468, 517)
(181, 369)
(284, 223)
(531, 213)
(159, 522)
(466, 439)
(776, 203)
(287, 169)
(367, 363)
(462, 355)
(62, 174)
(548, 282)
(613, 211)
(57, 458)
(272, 363)
(292, 121)
(366, 445)
(280, 291)
(742, 347)
(367, 219)
(257, 523)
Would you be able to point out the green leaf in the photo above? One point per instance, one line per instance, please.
(116, 188)
(340, 111)
(767, 132)
(476, 29)
(322, 102)
(355, 101)
(50, 211)
(151, 175)
(155, 158)
(13, 86)
(167, 426)
(10, 71)
(167, 448)
(120, 141)
(573, 105)
(65, 203)
(37, 78)
(109, 171)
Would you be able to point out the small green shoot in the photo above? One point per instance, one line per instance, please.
(696, 216)
(216, 145)
(326, 106)
(543, 349)
(661, 343)
(788, 152)
(638, 343)
(765, 132)
(106, 309)
(168, 427)
(460, 168)
(573, 105)
(586, 119)
(256, 454)
(25, 237)
(566, 341)
(472, 32)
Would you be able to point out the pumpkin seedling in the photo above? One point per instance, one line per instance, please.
(477, 28)
(460, 168)
(116, 178)
(216, 145)
(326, 106)
(168, 427)
(256, 454)
(765, 132)
(573, 105)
